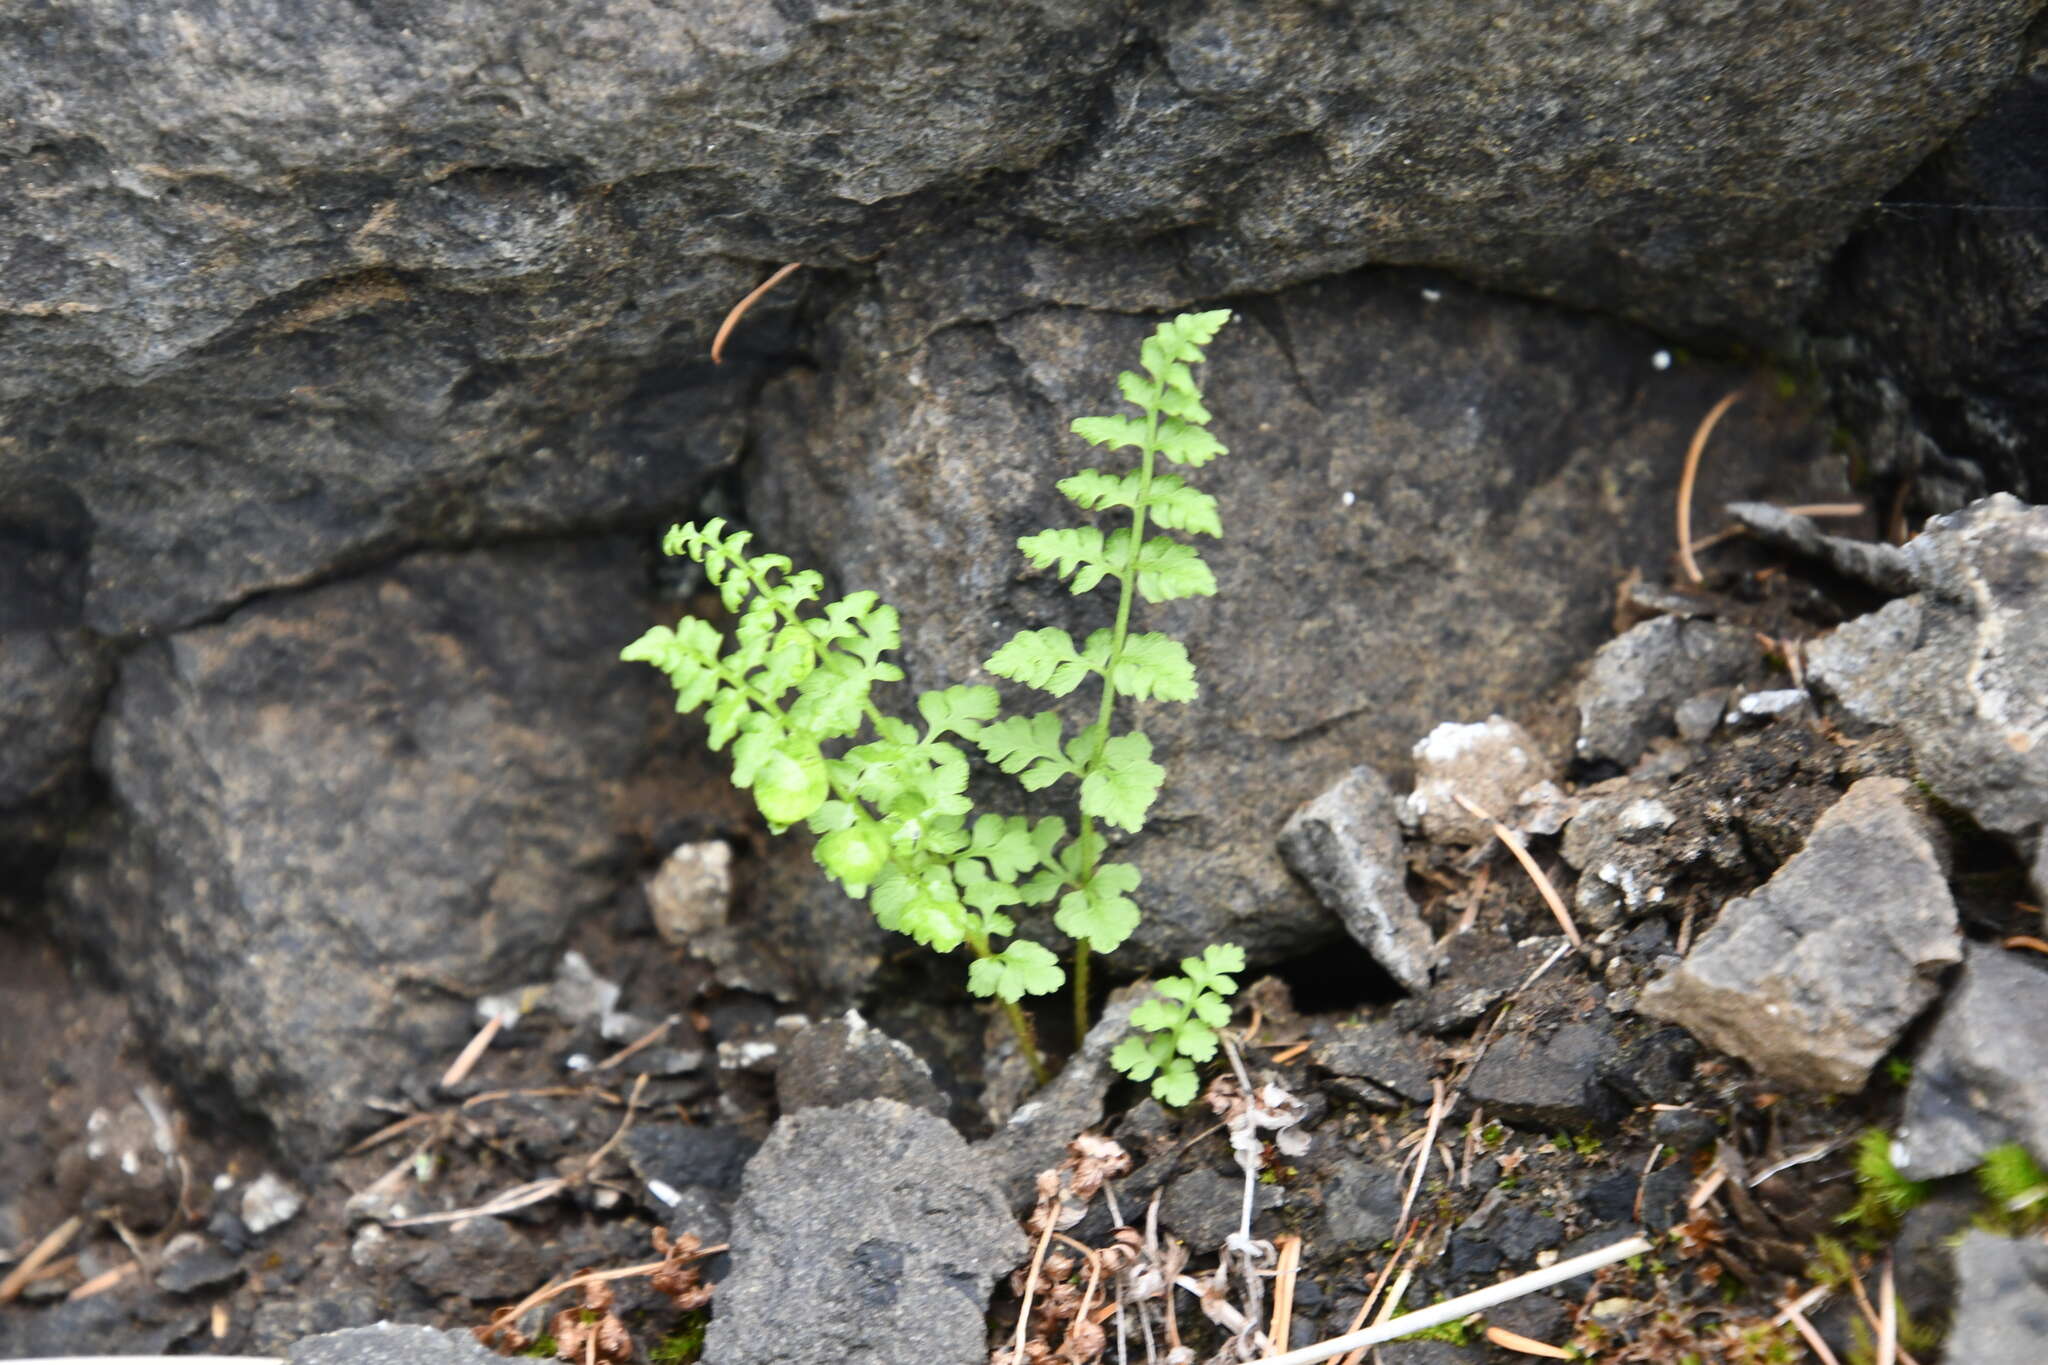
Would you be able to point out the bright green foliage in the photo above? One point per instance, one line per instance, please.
(791, 695)
(1182, 1018)
(1883, 1195)
(2015, 1184)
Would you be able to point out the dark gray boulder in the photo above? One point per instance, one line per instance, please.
(329, 807)
(1813, 978)
(291, 289)
(1978, 1081)
(879, 1221)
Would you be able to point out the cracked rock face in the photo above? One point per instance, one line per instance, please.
(1959, 666)
(1423, 514)
(1812, 979)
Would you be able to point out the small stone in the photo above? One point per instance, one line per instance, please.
(1632, 692)
(1204, 1206)
(1616, 842)
(269, 1203)
(194, 1261)
(1813, 979)
(1361, 1202)
(1346, 844)
(690, 894)
(1491, 764)
(1548, 1077)
(1978, 1081)
(1753, 707)
(1698, 717)
(2001, 1314)
(1378, 1051)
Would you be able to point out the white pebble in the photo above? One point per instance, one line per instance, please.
(1661, 360)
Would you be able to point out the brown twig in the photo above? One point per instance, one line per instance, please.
(739, 310)
(2027, 941)
(505, 1318)
(1536, 874)
(102, 1282)
(1439, 1105)
(644, 1040)
(1688, 476)
(53, 1242)
(466, 1060)
(1528, 1346)
(1283, 1290)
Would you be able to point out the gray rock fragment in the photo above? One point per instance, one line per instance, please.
(1548, 1078)
(843, 1060)
(1872, 563)
(1637, 681)
(387, 1343)
(1959, 667)
(1346, 844)
(1978, 1081)
(1379, 1051)
(1812, 979)
(193, 1261)
(1616, 843)
(881, 1223)
(2001, 1315)
(1495, 764)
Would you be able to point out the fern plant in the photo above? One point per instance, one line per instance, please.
(791, 693)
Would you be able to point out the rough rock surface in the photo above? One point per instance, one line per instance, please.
(1814, 978)
(328, 806)
(1641, 677)
(846, 1059)
(387, 1343)
(1346, 844)
(1942, 312)
(1493, 494)
(1035, 1137)
(1495, 764)
(356, 286)
(1615, 841)
(1549, 1077)
(1957, 667)
(2001, 1314)
(53, 673)
(1978, 1080)
(882, 1224)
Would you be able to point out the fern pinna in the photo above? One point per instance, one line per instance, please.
(791, 694)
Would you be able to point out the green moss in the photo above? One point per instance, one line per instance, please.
(683, 1345)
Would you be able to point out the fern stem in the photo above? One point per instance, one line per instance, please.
(1081, 958)
(1128, 590)
(1020, 1023)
